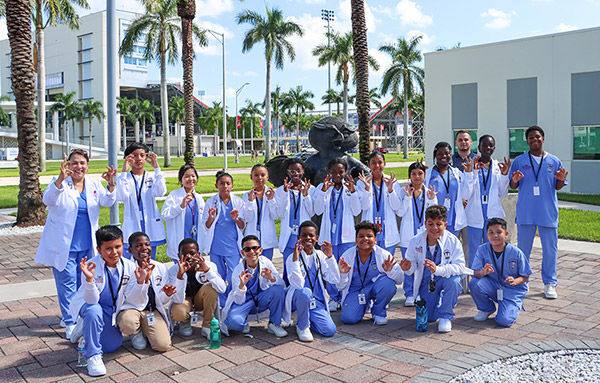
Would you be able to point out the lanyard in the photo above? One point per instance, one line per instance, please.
(501, 275)
(257, 272)
(336, 204)
(420, 216)
(258, 207)
(378, 199)
(446, 184)
(296, 204)
(193, 210)
(312, 287)
(486, 180)
(363, 278)
(536, 174)
(109, 277)
(434, 256)
(138, 193)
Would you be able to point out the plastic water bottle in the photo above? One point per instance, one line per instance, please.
(215, 334)
(421, 309)
(81, 360)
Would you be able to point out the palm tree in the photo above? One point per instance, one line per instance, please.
(4, 118)
(92, 109)
(212, 116)
(251, 109)
(146, 110)
(331, 96)
(71, 110)
(124, 105)
(277, 106)
(403, 73)
(273, 31)
(177, 113)
(133, 116)
(49, 13)
(373, 97)
(31, 209)
(298, 99)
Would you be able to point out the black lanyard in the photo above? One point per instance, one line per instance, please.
(434, 256)
(258, 207)
(312, 287)
(296, 204)
(138, 193)
(496, 265)
(536, 174)
(193, 210)
(486, 180)
(336, 204)
(378, 199)
(446, 184)
(257, 272)
(420, 216)
(109, 277)
(363, 278)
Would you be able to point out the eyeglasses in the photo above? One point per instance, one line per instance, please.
(249, 249)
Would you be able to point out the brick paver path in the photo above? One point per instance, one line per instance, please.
(16, 260)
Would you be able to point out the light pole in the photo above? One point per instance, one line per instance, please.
(112, 87)
(327, 15)
(237, 93)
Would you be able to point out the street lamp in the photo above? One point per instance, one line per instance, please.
(327, 15)
(237, 93)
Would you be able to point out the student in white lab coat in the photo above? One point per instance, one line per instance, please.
(73, 202)
(182, 211)
(138, 190)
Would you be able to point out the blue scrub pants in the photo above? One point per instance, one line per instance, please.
(549, 238)
(334, 293)
(225, 265)
(450, 228)
(271, 299)
(318, 318)
(409, 280)
(68, 281)
(441, 303)
(391, 249)
(99, 333)
(475, 237)
(289, 250)
(268, 253)
(483, 291)
(380, 292)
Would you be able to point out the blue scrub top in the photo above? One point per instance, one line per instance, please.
(515, 264)
(539, 210)
(437, 258)
(224, 242)
(105, 300)
(259, 218)
(318, 293)
(485, 190)
(381, 212)
(419, 205)
(452, 192)
(357, 277)
(191, 220)
(336, 215)
(82, 234)
(252, 285)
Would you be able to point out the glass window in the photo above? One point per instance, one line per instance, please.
(86, 71)
(129, 60)
(517, 144)
(473, 134)
(86, 55)
(141, 62)
(586, 143)
(86, 42)
(141, 50)
(86, 89)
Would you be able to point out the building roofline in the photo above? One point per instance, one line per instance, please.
(382, 109)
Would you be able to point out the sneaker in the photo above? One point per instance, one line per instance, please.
(445, 325)
(138, 341)
(224, 329)
(276, 330)
(77, 331)
(550, 291)
(246, 329)
(409, 302)
(63, 324)
(333, 306)
(69, 330)
(205, 331)
(185, 329)
(379, 321)
(304, 335)
(482, 316)
(95, 366)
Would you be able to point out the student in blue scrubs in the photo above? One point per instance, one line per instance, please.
(538, 175)
(501, 273)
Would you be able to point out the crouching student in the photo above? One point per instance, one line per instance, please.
(367, 273)
(109, 280)
(501, 272)
(260, 288)
(308, 268)
(200, 292)
(437, 260)
(143, 316)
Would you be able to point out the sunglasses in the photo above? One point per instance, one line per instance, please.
(249, 249)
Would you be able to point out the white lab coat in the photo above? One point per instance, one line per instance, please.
(211, 276)
(305, 211)
(329, 271)
(406, 212)
(269, 213)
(174, 216)
(55, 243)
(498, 188)
(154, 186)
(460, 221)
(208, 233)
(453, 258)
(351, 209)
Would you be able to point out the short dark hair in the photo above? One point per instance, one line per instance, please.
(256, 166)
(308, 223)
(135, 146)
(416, 165)
(366, 225)
(250, 237)
(374, 154)
(486, 136)
(441, 145)
(108, 233)
(184, 169)
(336, 161)
(221, 173)
(436, 211)
(534, 128)
(293, 160)
(497, 221)
(133, 237)
(81, 152)
(186, 241)
(462, 131)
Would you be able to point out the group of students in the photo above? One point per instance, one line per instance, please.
(341, 265)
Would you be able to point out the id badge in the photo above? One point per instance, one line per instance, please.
(447, 202)
(362, 299)
(194, 318)
(333, 227)
(499, 294)
(313, 303)
(484, 199)
(150, 318)
(432, 285)
(114, 319)
(194, 230)
(536, 190)
(295, 229)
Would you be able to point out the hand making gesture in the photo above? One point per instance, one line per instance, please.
(142, 273)
(109, 177)
(183, 267)
(87, 269)
(187, 199)
(409, 190)
(516, 176)
(252, 194)
(64, 172)
(431, 192)
(245, 276)
(389, 182)
(388, 264)
(304, 187)
(287, 184)
(169, 289)
(152, 159)
(504, 166)
(268, 274)
(344, 266)
(366, 180)
(487, 269)
(128, 163)
(405, 264)
(511, 281)
(327, 183)
(270, 193)
(468, 165)
(327, 249)
(350, 184)
(478, 165)
(430, 265)
(297, 250)
(201, 265)
(561, 174)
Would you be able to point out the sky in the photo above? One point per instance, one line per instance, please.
(441, 23)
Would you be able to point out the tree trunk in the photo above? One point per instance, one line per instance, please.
(144, 130)
(297, 131)
(90, 138)
(41, 96)
(164, 109)
(186, 9)
(136, 131)
(31, 209)
(278, 132)
(178, 135)
(345, 117)
(361, 53)
(124, 146)
(268, 114)
(67, 134)
(405, 119)
(252, 134)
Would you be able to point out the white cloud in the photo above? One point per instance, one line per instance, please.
(344, 17)
(425, 38)
(562, 27)
(3, 30)
(383, 59)
(500, 19)
(408, 12)
(314, 34)
(213, 8)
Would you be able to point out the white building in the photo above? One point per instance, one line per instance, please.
(502, 88)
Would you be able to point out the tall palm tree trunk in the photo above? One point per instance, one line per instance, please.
(297, 130)
(278, 132)
(143, 130)
(31, 210)
(90, 135)
(252, 134)
(186, 9)
(164, 109)
(405, 119)
(67, 134)
(136, 130)
(361, 54)
(345, 101)
(268, 114)
(41, 95)
(178, 127)
(124, 145)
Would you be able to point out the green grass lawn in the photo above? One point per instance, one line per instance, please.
(592, 199)
(579, 225)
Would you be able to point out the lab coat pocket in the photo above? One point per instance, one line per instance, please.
(55, 234)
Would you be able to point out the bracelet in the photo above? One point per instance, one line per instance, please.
(113, 185)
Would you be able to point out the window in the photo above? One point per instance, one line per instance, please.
(141, 50)
(86, 42)
(464, 106)
(86, 55)
(129, 60)
(517, 143)
(586, 143)
(54, 80)
(86, 89)
(141, 62)
(521, 102)
(473, 134)
(86, 71)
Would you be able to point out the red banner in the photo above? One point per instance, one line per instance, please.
(237, 122)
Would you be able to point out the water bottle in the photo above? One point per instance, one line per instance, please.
(421, 315)
(81, 360)
(215, 334)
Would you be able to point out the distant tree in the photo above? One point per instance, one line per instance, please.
(71, 110)
(177, 113)
(146, 111)
(92, 109)
(251, 109)
(298, 100)
(124, 105)
(333, 97)
(4, 118)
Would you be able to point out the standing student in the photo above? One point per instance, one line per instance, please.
(182, 211)
(138, 190)
(380, 200)
(73, 202)
(415, 199)
(501, 273)
(538, 175)
(447, 181)
(436, 258)
(309, 268)
(338, 207)
(367, 273)
(262, 203)
(143, 316)
(485, 184)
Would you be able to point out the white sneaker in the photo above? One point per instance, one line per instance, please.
(95, 366)
(246, 329)
(185, 329)
(63, 324)
(224, 329)
(482, 316)
(138, 341)
(379, 321)
(69, 330)
(304, 335)
(445, 325)
(276, 330)
(409, 302)
(333, 306)
(77, 331)
(550, 291)
(205, 331)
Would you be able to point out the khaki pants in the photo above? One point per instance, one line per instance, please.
(462, 236)
(206, 300)
(133, 321)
